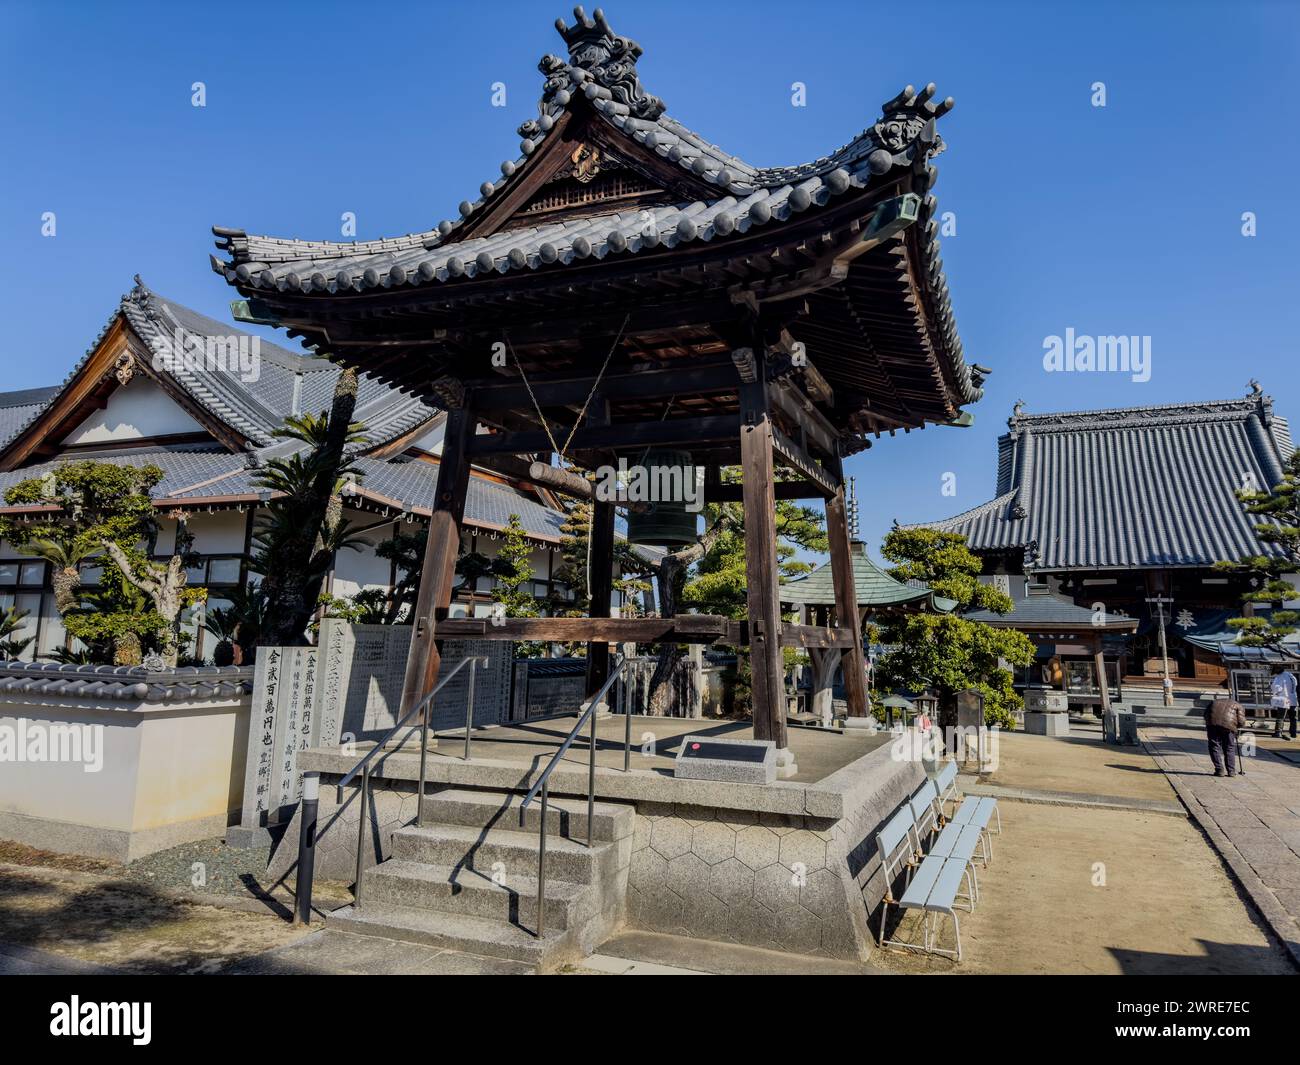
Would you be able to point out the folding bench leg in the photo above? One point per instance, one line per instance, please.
(884, 918)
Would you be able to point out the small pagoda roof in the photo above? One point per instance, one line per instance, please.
(875, 588)
(1130, 487)
(613, 204)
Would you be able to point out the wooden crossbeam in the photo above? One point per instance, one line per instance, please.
(798, 459)
(815, 636)
(687, 628)
(683, 432)
(799, 409)
(694, 378)
(734, 493)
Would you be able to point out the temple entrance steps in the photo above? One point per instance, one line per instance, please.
(467, 878)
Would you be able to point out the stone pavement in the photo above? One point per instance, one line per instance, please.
(333, 952)
(1253, 820)
(26, 961)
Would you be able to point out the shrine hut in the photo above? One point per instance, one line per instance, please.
(876, 594)
(623, 284)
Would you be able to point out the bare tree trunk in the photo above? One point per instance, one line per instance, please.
(671, 579)
(164, 590)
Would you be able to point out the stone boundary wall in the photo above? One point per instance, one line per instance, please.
(168, 756)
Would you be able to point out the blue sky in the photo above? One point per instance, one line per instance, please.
(1125, 219)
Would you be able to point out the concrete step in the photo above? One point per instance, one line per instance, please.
(454, 931)
(480, 849)
(450, 889)
(565, 816)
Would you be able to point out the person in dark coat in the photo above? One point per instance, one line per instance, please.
(1223, 718)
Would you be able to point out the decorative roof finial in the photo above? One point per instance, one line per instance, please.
(608, 58)
(1255, 389)
(852, 508)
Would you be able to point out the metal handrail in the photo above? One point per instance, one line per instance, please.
(543, 784)
(363, 767)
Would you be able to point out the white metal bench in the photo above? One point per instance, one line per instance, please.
(954, 840)
(981, 811)
(934, 885)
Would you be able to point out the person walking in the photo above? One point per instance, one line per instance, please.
(1282, 696)
(1223, 718)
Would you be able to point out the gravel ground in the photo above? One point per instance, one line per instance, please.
(150, 916)
(203, 869)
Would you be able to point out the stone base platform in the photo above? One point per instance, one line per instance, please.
(787, 866)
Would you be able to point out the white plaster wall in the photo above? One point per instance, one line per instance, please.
(65, 791)
(137, 409)
(192, 765)
(220, 533)
(362, 568)
(160, 767)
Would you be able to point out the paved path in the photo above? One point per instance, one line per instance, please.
(26, 961)
(331, 952)
(1253, 820)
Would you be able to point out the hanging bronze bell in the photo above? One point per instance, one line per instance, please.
(665, 482)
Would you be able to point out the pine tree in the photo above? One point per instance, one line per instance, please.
(1266, 575)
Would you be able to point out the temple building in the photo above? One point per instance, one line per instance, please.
(1105, 528)
(210, 429)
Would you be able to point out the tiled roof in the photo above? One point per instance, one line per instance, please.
(18, 408)
(600, 70)
(874, 587)
(210, 473)
(411, 485)
(27, 681)
(1043, 610)
(286, 382)
(1130, 487)
(731, 197)
(203, 473)
(184, 466)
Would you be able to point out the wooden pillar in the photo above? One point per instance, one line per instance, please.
(439, 572)
(846, 598)
(1103, 686)
(759, 498)
(600, 580)
(600, 569)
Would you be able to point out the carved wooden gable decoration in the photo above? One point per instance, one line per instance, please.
(589, 180)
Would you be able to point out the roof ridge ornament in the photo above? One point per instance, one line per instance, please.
(907, 115)
(599, 59)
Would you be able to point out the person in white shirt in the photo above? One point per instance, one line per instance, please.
(1282, 696)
